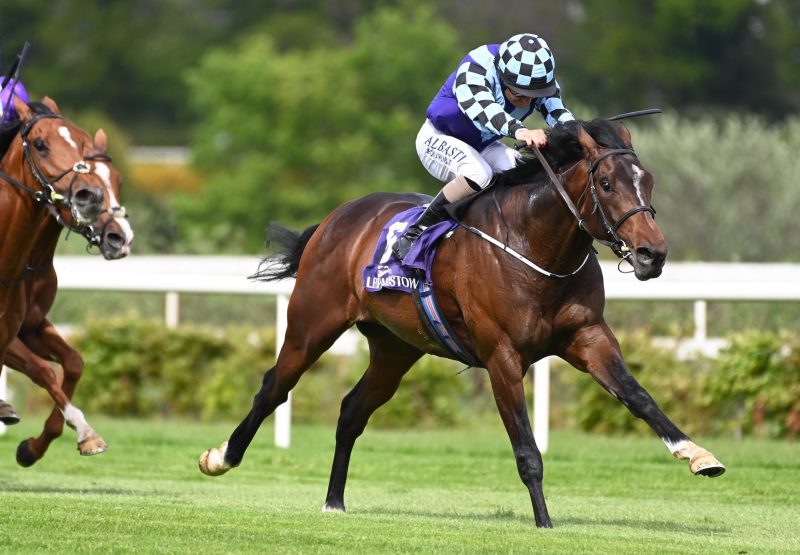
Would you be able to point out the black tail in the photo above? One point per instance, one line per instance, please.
(289, 247)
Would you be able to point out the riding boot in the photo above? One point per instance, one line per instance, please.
(433, 214)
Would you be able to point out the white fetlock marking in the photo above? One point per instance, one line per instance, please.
(75, 420)
(683, 449)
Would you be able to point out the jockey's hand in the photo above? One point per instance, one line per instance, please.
(531, 137)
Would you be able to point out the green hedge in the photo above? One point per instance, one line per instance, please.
(752, 388)
(138, 367)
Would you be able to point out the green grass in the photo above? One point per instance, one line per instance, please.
(427, 491)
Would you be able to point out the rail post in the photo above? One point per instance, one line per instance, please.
(283, 414)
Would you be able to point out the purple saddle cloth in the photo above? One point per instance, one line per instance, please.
(386, 271)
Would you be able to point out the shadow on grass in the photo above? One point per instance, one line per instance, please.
(507, 515)
(13, 488)
(656, 526)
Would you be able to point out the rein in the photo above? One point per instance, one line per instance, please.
(520, 257)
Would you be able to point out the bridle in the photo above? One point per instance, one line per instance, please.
(616, 243)
(50, 197)
(48, 194)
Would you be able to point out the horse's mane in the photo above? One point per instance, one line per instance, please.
(561, 151)
(40, 108)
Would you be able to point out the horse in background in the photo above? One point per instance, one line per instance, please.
(56, 141)
(503, 312)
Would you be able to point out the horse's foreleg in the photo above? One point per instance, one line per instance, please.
(596, 350)
(390, 359)
(506, 375)
(29, 357)
(306, 339)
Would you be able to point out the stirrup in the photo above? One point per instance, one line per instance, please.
(403, 245)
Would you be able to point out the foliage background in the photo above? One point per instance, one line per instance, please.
(294, 106)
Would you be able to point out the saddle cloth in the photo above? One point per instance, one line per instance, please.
(386, 271)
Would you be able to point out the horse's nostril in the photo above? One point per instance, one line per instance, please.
(86, 197)
(649, 257)
(644, 256)
(115, 240)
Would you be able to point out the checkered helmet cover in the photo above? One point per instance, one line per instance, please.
(526, 62)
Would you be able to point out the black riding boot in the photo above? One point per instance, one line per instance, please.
(433, 214)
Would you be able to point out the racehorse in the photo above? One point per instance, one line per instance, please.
(507, 314)
(58, 143)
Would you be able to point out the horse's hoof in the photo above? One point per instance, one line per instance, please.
(8, 415)
(212, 462)
(24, 456)
(92, 446)
(707, 465)
(333, 508)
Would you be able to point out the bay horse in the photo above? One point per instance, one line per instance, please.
(57, 141)
(506, 314)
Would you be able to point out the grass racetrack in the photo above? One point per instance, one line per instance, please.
(440, 491)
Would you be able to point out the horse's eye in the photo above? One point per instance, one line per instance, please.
(605, 184)
(39, 145)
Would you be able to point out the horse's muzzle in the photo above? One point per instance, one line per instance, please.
(648, 262)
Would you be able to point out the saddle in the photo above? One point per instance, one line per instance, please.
(413, 275)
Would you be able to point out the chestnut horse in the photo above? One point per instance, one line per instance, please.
(57, 141)
(506, 314)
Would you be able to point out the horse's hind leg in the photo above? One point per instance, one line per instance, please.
(390, 359)
(313, 326)
(595, 350)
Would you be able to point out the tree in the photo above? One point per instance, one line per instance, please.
(291, 135)
(692, 56)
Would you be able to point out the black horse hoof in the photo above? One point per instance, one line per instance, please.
(24, 456)
(8, 415)
(9, 419)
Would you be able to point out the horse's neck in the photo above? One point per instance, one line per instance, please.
(28, 233)
(539, 225)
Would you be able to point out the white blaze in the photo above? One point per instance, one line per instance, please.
(638, 174)
(64, 132)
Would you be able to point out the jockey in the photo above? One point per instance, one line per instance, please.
(494, 88)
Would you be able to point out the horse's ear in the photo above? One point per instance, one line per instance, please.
(23, 112)
(50, 103)
(625, 136)
(587, 142)
(100, 140)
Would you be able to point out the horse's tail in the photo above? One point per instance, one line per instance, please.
(289, 247)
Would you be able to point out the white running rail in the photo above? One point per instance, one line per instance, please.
(173, 275)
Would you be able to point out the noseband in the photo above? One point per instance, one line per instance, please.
(616, 244)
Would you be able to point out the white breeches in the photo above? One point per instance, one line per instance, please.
(446, 157)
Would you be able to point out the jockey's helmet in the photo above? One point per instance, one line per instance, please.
(526, 66)
(7, 111)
